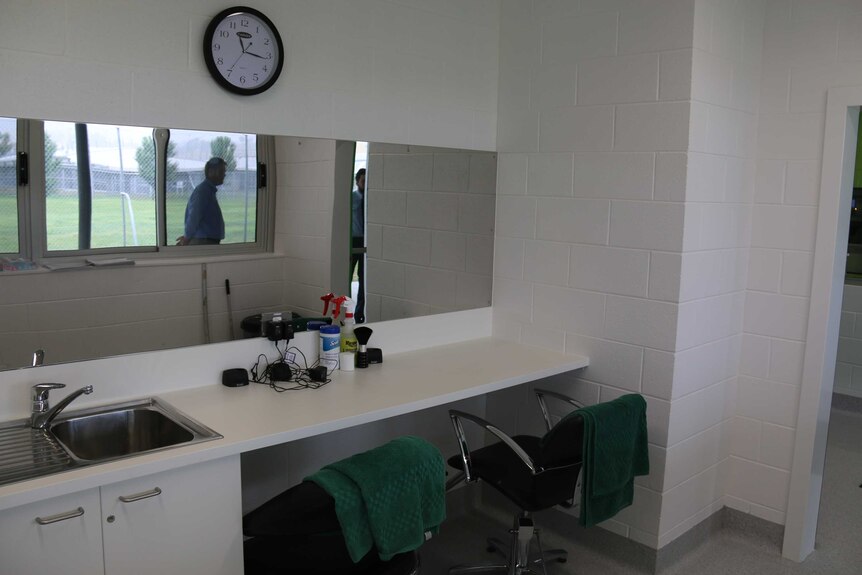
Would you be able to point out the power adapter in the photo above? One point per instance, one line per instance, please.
(317, 373)
(278, 330)
(280, 372)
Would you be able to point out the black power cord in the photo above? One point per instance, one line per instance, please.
(285, 370)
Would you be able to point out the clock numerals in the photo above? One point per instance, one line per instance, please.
(216, 47)
(224, 34)
(243, 23)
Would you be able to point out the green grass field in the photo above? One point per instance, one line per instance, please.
(107, 231)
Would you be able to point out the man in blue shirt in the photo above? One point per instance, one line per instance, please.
(357, 258)
(204, 221)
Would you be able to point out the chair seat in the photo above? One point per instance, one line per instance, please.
(498, 466)
(298, 532)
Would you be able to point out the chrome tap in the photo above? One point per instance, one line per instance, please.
(38, 357)
(42, 416)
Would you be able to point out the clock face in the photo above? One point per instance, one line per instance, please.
(243, 50)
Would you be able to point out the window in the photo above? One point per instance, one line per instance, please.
(188, 151)
(121, 197)
(9, 230)
(99, 188)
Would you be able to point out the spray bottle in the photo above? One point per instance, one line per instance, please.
(348, 339)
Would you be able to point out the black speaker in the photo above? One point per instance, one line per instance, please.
(236, 377)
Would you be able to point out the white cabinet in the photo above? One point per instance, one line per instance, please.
(187, 520)
(59, 535)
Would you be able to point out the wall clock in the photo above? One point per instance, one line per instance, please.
(243, 50)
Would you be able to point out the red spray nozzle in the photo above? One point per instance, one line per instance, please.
(326, 299)
(336, 306)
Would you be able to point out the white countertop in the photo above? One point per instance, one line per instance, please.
(256, 416)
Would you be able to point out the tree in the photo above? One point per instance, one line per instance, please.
(5, 144)
(52, 166)
(222, 147)
(145, 155)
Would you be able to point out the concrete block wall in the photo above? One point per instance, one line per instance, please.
(378, 70)
(808, 47)
(848, 371)
(593, 133)
(719, 188)
(430, 230)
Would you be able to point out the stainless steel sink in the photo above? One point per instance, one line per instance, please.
(95, 435)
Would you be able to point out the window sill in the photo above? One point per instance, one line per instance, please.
(148, 262)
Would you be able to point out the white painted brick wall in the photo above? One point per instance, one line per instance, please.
(808, 47)
(662, 134)
(373, 70)
(588, 232)
(719, 190)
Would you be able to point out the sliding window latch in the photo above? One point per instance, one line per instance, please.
(261, 175)
(23, 169)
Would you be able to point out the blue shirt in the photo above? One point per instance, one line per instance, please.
(358, 213)
(203, 214)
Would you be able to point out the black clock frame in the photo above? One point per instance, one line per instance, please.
(210, 60)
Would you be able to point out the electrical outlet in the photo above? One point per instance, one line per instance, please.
(269, 316)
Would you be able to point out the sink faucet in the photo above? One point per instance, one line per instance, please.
(38, 357)
(42, 416)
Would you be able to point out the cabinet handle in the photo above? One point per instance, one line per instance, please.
(142, 495)
(60, 516)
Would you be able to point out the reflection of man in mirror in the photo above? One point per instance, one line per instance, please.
(204, 221)
(357, 227)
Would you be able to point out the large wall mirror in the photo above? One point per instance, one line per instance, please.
(426, 243)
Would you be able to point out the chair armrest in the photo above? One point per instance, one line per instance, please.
(540, 397)
(456, 417)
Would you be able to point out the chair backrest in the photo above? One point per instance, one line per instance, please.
(562, 446)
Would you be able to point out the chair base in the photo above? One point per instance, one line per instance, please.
(518, 561)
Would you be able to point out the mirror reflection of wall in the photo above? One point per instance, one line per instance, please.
(430, 230)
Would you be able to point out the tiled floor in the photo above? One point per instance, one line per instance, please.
(839, 535)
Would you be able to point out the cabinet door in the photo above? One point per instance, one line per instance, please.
(59, 535)
(186, 520)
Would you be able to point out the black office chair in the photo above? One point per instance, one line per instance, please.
(298, 532)
(535, 473)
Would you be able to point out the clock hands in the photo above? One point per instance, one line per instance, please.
(241, 36)
(255, 55)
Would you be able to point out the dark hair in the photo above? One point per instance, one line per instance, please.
(359, 174)
(213, 164)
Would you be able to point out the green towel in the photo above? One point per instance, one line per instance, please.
(615, 450)
(387, 497)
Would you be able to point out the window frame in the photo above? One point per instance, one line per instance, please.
(32, 208)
